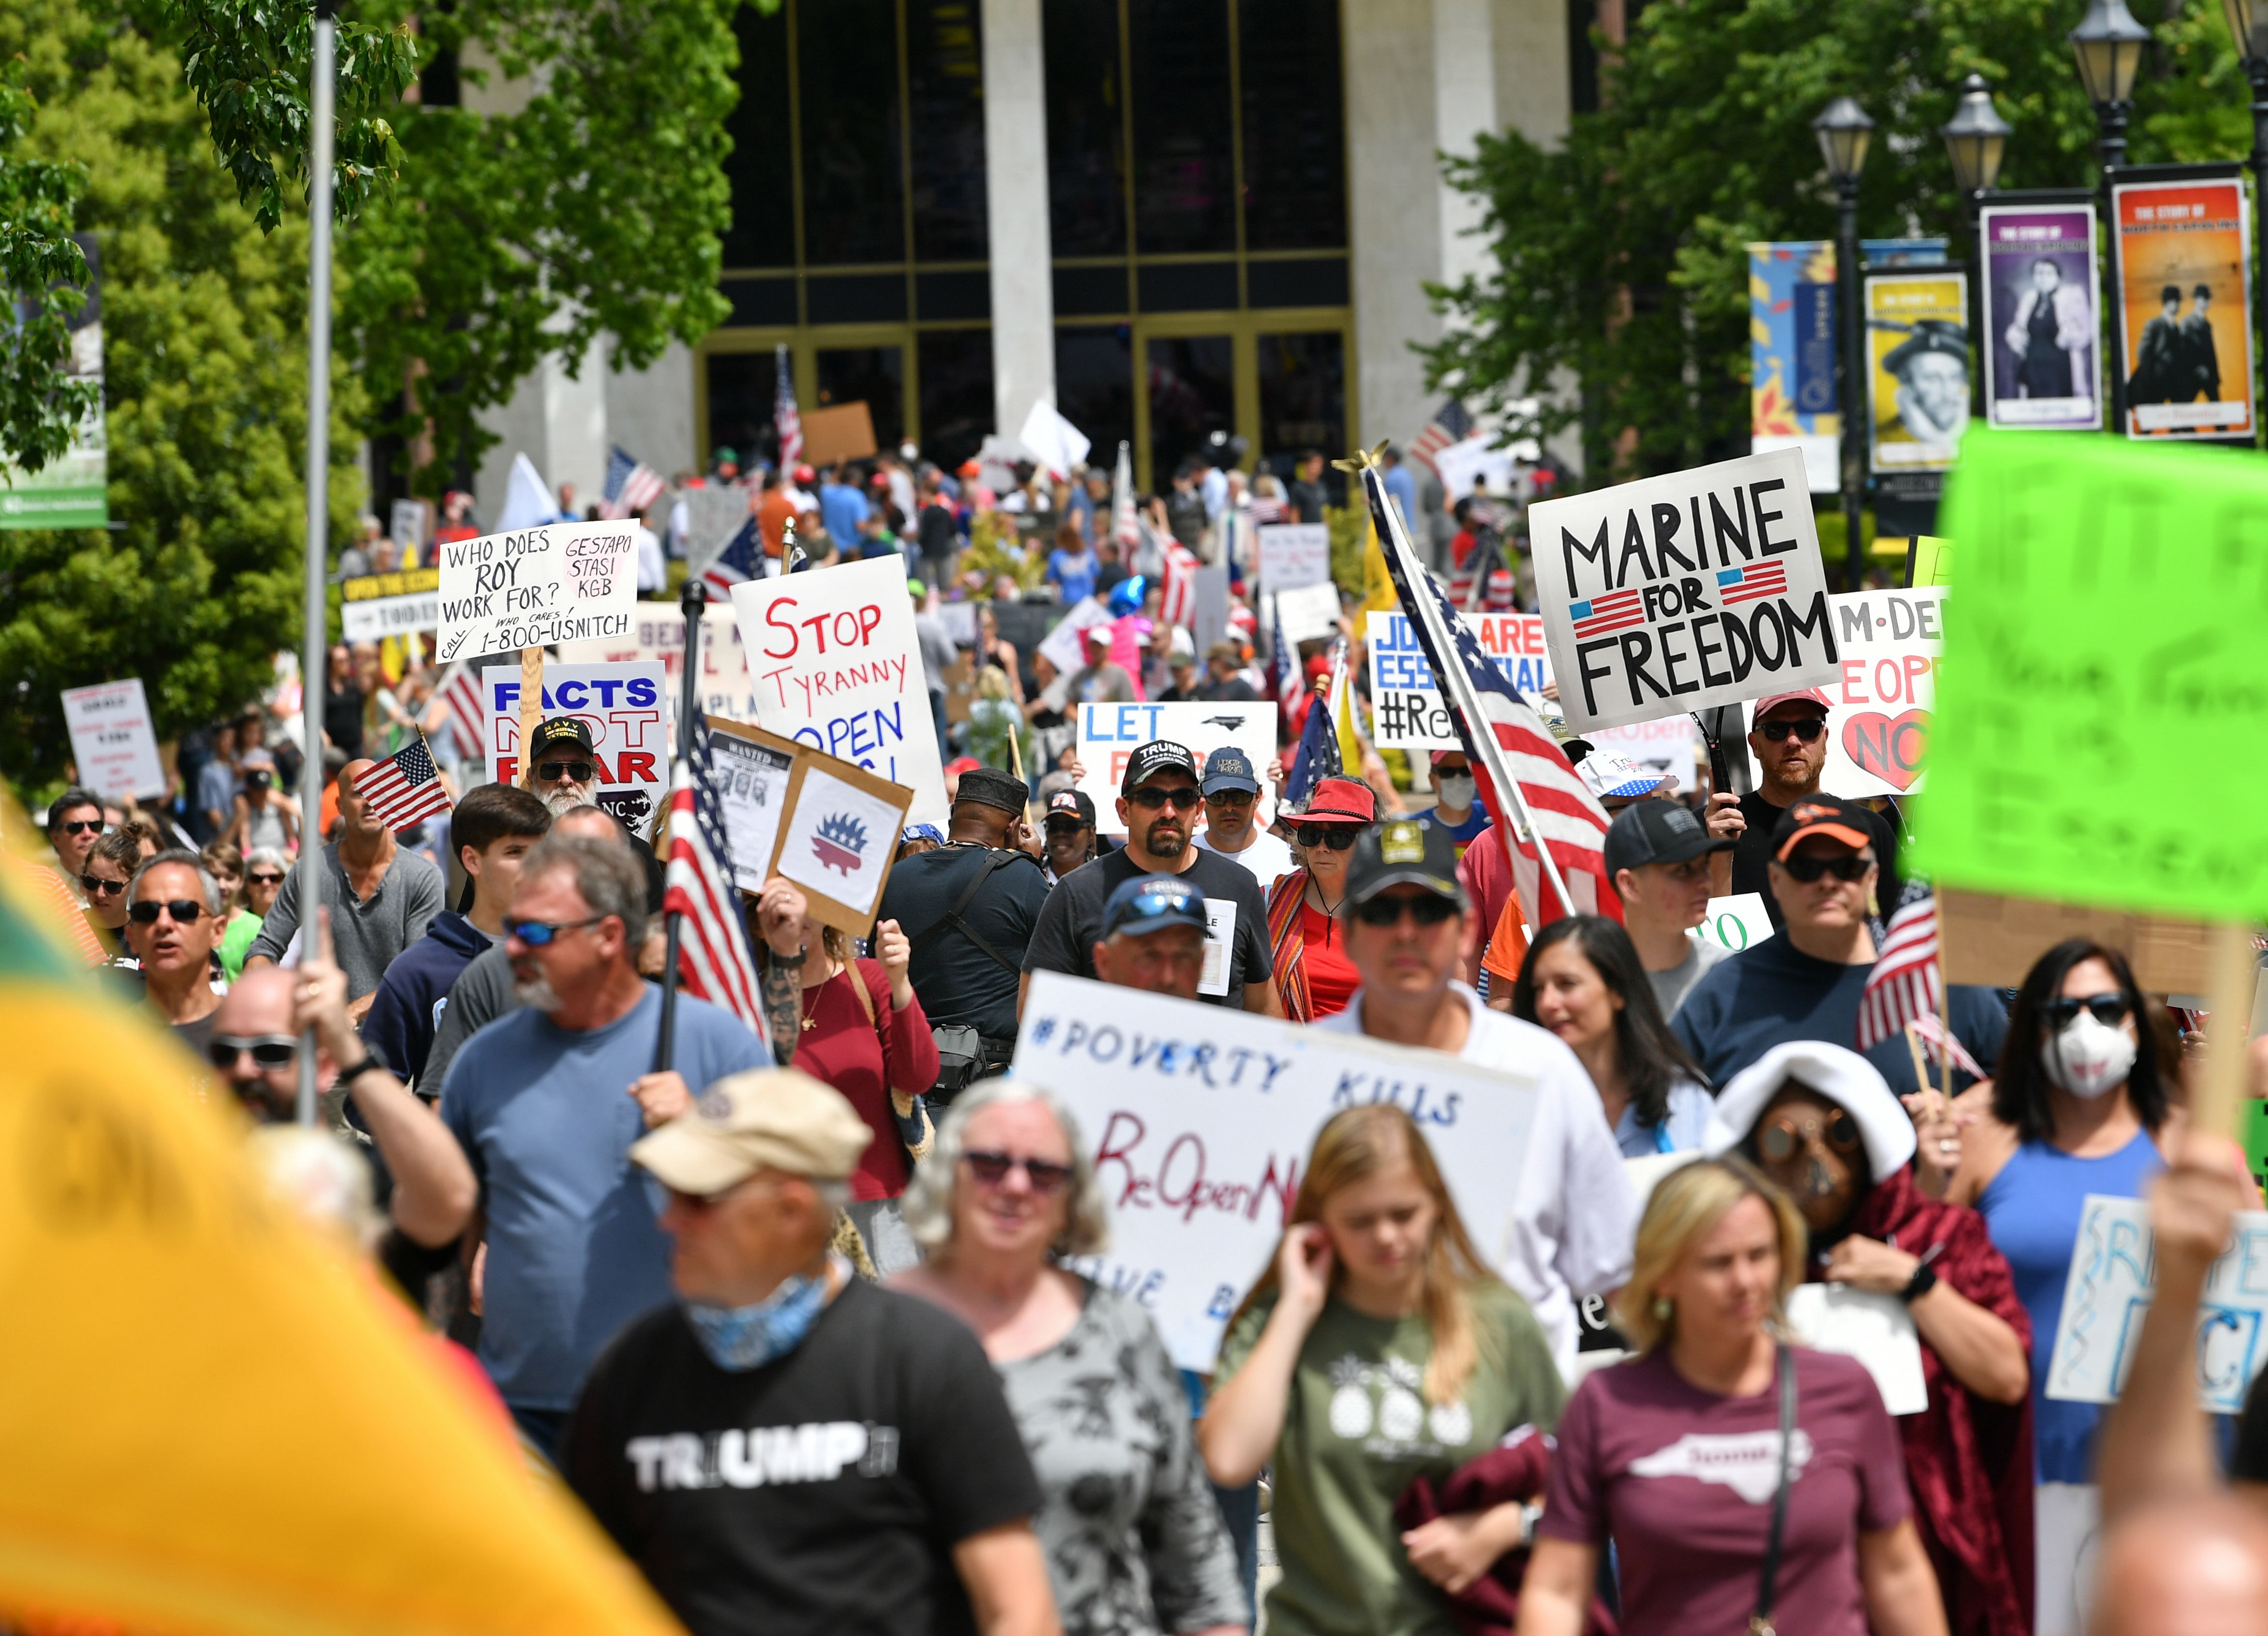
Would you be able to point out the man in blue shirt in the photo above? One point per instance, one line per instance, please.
(842, 508)
(1402, 485)
(545, 1102)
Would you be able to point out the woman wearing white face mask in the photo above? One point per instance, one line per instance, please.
(1458, 809)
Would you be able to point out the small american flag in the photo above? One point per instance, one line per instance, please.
(1316, 756)
(786, 420)
(1450, 425)
(1932, 1032)
(1177, 604)
(1904, 984)
(631, 486)
(713, 962)
(405, 788)
(1284, 658)
(736, 562)
(468, 713)
(1603, 616)
(1746, 584)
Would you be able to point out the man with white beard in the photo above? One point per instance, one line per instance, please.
(563, 765)
(545, 1102)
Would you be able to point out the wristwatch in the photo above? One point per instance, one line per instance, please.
(369, 1064)
(1924, 1281)
(791, 960)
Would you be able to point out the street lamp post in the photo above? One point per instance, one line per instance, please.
(2108, 43)
(2247, 25)
(1843, 131)
(1975, 138)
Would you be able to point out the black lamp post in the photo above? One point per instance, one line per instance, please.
(1843, 131)
(2247, 25)
(2108, 43)
(1975, 138)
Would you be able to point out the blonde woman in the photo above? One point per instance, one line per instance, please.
(1684, 1455)
(1377, 1348)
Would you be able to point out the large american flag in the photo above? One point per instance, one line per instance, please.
(1525, 781)
(787, 421)
(713, 962)
(460, 691)
(1904, 984)
(736, 562)
(1177, 603)
(631, 486)
(1450, 425)
(405, 788)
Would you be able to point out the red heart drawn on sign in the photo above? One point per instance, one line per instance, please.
(1889, 747)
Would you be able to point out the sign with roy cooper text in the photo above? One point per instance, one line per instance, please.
(1672, 593)
(534, 588)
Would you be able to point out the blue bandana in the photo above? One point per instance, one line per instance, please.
(741, 1338)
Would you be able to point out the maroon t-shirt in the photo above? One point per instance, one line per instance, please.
(1683, 1481)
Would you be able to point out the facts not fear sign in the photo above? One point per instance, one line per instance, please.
(1700, 588)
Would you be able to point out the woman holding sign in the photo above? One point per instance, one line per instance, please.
(1377, 1350)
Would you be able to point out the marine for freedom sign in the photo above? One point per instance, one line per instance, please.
(535, 587)
(1674, 593)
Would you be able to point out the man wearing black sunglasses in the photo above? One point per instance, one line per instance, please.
(1788, 738)
(74, 825)
(173, 924)
(562, 768)
(1159, 804)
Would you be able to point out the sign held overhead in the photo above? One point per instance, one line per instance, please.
(535, 588)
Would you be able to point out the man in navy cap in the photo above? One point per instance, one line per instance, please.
(1153, 932)
(1232, 799)
(563, 767)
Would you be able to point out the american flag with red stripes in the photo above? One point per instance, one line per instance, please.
(1177, 603)
(1450, 425)
(736, 562)
(787, 421)
(1904, 984)
(631, 486)
(1603, 616)
(713, 961)
(460, 691)
(1513, 755)
(1748, 584)
(405, 788)
(1933, 1032)
(1124, 527)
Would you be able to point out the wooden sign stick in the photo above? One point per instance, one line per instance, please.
(2236, 970)
(530, 711)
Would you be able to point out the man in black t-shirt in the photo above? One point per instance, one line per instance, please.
(1789, 733)
(785, 1448)
(1158, 802)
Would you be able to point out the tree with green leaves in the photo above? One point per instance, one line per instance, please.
(42, 275)
(1621, 258)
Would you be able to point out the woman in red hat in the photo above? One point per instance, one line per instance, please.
(1313, 977)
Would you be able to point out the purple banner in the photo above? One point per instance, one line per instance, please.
(2042, 362)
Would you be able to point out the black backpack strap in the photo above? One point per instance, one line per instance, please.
(956, 916)
(1760, 1623)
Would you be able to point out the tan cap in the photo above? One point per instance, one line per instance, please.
(780, 1119)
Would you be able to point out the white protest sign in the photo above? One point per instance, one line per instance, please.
(112, 740)
(563, 582)
(657, 632)
(840, 839)
(2113, 1275)
(1407, 708)
(751, 781)
(1736, 922)
(626, 707)
(836, 664)
(1200, 1119)
(1108, 735)
(375, 605)
(1477, 463)
(1666, 746)
(1062, 645)
(1220, 945)
(1052, 441)
(1876, 1330)
(1308, 612)
(1679, 592)
(1292, 554)
(1878, 715)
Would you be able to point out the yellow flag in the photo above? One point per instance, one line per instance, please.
(210, 1420)
(1377, 583)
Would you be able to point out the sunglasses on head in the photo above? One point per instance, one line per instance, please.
(991, 1169)
(268, 1051)
(1427, 908)
(1844, 866)
(185, 911)
(1778, 1140)
(81, 826)
(95, 884)
(553, 771)
(1340, 838)
(260, 878)
(1805, 727)
(1149, 798)
(536, 933)
(2110, 1009)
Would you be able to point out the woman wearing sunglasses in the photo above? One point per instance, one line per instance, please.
(1821, 1123)
(1134, 1539)
(1313, 977)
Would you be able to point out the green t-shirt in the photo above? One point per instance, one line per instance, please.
(1357, 1428)
(235, 942)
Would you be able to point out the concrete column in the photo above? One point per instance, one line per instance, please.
(1396, 220)
(1464, 106)
(560, 425)
(650, 413)
(1016, 212)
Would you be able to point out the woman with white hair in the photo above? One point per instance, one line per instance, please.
(1134, 1538)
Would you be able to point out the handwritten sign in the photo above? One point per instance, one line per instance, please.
(1108, 735)
(1737, 922)
(836, 664)
(533, 587)
(625, 706)
(375, 605)
(112, 740)
(1407, 708)
(657, 632)
(2114, 1276)
(1308, 613)
(1292, 554)
(1878, 711)
(1200, 1119)
(2113, 603)
(1677, 592)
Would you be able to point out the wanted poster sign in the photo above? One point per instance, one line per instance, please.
(1674, 593)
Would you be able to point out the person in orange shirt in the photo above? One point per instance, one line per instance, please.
(774, 512)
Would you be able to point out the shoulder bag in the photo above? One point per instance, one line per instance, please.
(960, 1048)
(1760, 1622)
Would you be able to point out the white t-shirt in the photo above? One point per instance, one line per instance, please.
(1268, 857)
(1575, 1223)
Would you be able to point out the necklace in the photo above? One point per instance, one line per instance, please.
(809, 1023)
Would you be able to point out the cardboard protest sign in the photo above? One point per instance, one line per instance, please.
(112, 738)
(1675, 593)
(1407, 708)
(1917, 369)
(752, 769)
(1992, 941)
(2114, 607)
(1108, 735)
(2041, 335)
(1308, 613)
(1879, 707)
(836, 665)
(2112, 1280)
(657, 633)
(838, 835)
(1200, 1119)
(2184, 250)
(563, 582)
(1737, 922)
(626, 707)
(1876, 1330)
(375, 605)
(1292, 554)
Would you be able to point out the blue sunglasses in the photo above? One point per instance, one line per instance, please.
(537, 933)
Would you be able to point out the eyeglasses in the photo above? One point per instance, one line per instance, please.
(1777, 1141)
(1427, 908)
(1807, 728)
(2110, 1009)
(270, 1052)
(81, 826)
(1340, 838)
(991, 1169)
(95, 884)
(1150, 799)
(1845, 866)
(259, 879)
(553, 771)
(1232, 797)
(186, 911)
(537, 933)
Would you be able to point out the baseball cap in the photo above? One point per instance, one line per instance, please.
(562, 730)
(1830, 815)
(1149, 903)
(1101, 633)
(1158, 756)
(989, 787)
(963, 764)
(1072, 804)
(1659, 832)
(778, 1118)
(1228, 768)
(1611, 773)
(1404, 851)
(1801, 696)
(1441, 755)
(1339, 800)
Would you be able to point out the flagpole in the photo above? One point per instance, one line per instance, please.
(314, 676)
(1454, 682)
(693, 602)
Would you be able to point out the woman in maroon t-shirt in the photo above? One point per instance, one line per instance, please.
(1675, 1455)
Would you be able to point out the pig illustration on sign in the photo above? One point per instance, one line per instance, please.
(841, 843)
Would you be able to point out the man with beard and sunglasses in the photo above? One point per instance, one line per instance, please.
(564, 765)
(1806, 982)
(1158, 803)
(1788, 736)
